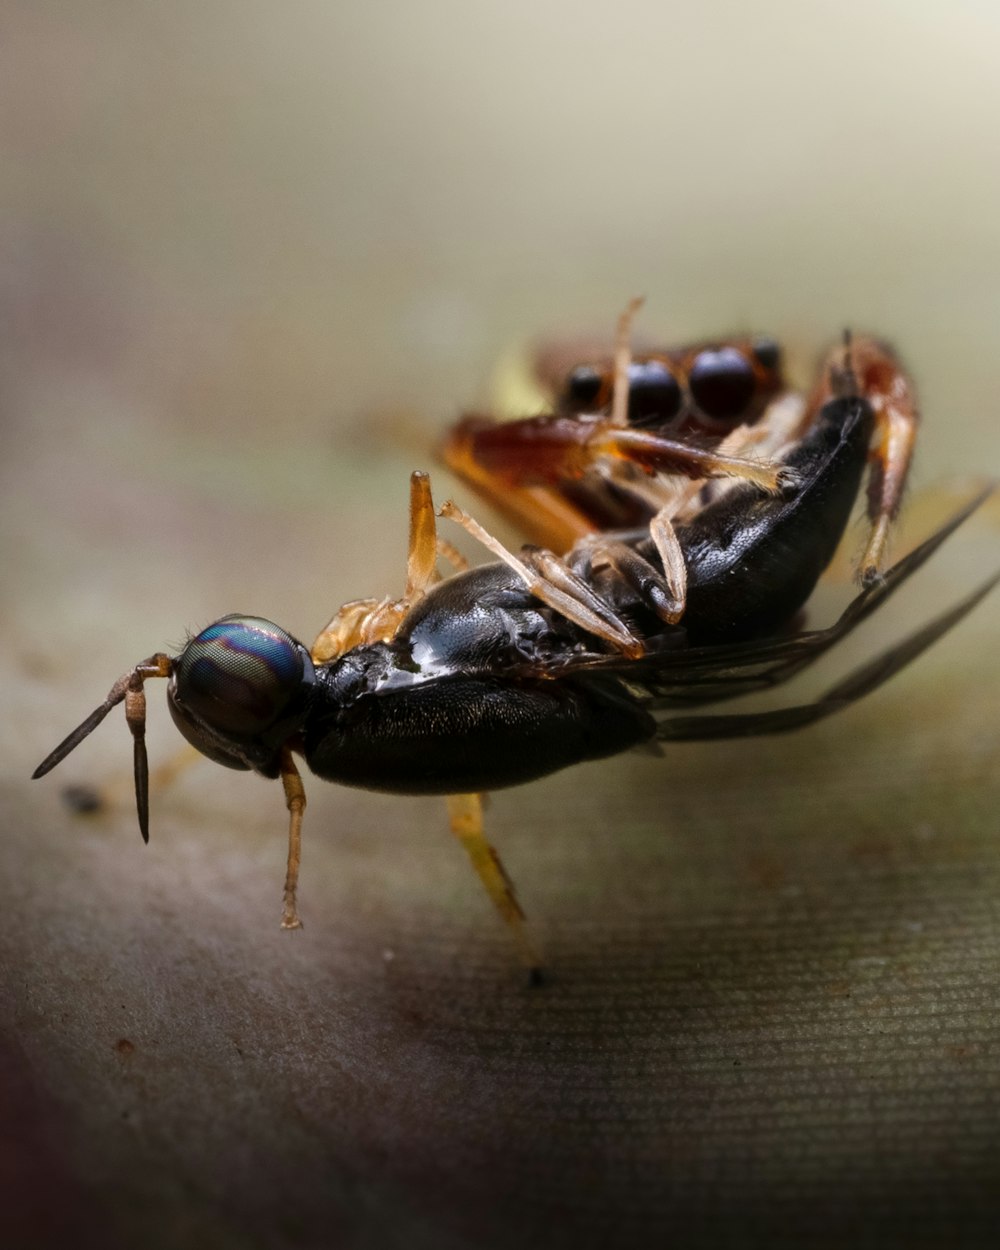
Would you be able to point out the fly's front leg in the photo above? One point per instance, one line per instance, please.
(295, 801)
(465, 812)
(421, 558)
(866, 367)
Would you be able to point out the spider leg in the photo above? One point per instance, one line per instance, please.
(662, 595)
(864, 366)
(711, 674)
(553, 582)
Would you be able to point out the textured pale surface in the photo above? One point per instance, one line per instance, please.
(243, 251)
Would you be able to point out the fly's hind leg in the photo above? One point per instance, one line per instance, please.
(465, 812)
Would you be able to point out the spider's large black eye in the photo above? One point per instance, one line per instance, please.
(767, 353)
(239, 675)
(654, 394)
(583, 389)
(722, 382)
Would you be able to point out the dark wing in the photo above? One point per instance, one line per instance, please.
(697, 675)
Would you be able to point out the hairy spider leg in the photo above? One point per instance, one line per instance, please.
(552, 581)
(864, 366)
(525, 468)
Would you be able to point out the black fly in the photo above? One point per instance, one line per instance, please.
(690, 565)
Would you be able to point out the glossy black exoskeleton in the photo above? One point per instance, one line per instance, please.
(508, 672)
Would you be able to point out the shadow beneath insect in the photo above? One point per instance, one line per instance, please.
(728, 1038)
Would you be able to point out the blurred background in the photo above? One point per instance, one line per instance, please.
(253, 259)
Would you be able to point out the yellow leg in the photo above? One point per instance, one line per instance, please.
(364, 621)
(295, 801)
(465, 812)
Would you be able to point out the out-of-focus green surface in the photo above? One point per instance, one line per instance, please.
(252, 258)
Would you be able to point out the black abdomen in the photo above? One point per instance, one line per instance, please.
(753, 559)
(459, 735)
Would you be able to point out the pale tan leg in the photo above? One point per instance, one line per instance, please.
(561, 578)
(448, 551)
(668, 548)
(599, 620)
(295, 801)
(645, 578)
(465, 812)
(658, 454)
(896, 435)
(864, 366)
(623, 358)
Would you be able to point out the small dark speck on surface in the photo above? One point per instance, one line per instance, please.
(82, 799)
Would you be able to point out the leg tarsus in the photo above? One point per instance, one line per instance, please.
(465, 814)
(668, 548)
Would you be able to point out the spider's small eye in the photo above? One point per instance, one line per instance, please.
(583, 389)
(722, 382)
(654, 393)
(239, 675)
(767, 353)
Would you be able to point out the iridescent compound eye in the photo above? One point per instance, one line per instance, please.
(654, 394)
(722, 382)
(239, 675)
